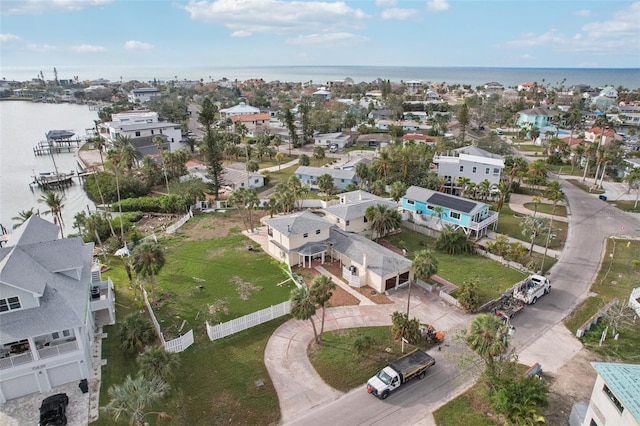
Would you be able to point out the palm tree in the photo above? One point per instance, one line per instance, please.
(439, 211)
(130, 399)
(484, 188)
(537, 171)
(158, 141)
(114, 156)
(246, 201)
(135, 332)
(553, 193)
(303, 307)
(157, 362)
(321, 291)
(383, 219)
(633, 179)
(397, 190)
(362, 172)
(462, 182)
(326, 185)
(453, 241)
(533, 226)
(148, 259)
(280, 157)
(129, 156)
(318, 153)
(424, 265)
(23, 216)
(487, 338)
(304, 160)
(377, 188)
(54, 202)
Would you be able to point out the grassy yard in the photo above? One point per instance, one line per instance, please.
(585, 186)
(468, 409)
(493, 278)
(528, 147)
(340, 365)
(214, 378)
(565, 169)
(626, 205)
(617, 277)
(547, 208)
(509, 224)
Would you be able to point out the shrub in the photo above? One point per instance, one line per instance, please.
(468, 296)
(362, 344)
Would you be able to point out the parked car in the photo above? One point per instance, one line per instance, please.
(333, 148)
(53, 410)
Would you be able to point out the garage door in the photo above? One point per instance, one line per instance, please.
(64, 374)
(20, 386)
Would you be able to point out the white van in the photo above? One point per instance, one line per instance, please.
(333, 148)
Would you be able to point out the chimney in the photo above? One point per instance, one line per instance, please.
(288, 228)
(364, 262)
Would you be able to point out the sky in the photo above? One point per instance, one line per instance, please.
(233, 33)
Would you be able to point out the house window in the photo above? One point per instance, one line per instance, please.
(338, 220)
(270, 232)
(496, 171)
(342, 180)
(461, 168)
(486, 171)
(474, 169)
(305, 235)
(593, 423)
(151, 131)
(613, 398)
(454, 215)
(137, 133)
(366, 220)
(429, 207)
(66, 333)
(256, 181)
(55, 335)
(347, 223)
(411, 202)
(10, 304)
(317, 232)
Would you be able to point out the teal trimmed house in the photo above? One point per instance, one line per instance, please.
(472, 216)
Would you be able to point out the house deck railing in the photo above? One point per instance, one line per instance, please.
(477, 226)
(48, 352)
(15, 360)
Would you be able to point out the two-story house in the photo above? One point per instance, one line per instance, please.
(600, 136)
(52, 298)
(301, 238)
(435, 210)
(143, 94)
(469, 162)
(142, 125)
(326, 140)
(537, 117)
(615, 399)
(341, 178)
(349, 213)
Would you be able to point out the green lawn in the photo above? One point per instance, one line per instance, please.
(509, 224)
(468, 409)
(339, 364)
(616, 278)
(585, 186)
(528, 147)
(626, 205)
(493, 278)
(565, 169)
(547, 208)
(214, 378)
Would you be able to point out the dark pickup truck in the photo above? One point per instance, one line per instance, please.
(400, 371)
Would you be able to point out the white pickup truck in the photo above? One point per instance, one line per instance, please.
(398, 372)
(532, 288)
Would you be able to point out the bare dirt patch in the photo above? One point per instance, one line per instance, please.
(573, 383)
(206, 226)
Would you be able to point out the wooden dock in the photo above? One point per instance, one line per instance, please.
(57, 147)
(53, 180)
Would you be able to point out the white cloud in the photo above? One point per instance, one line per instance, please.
(583, 12)
(41, 47)
(88, 48)
(526, 57)
(438, 5)
(386, 3)
(38, 7)
(241, 33)
(327, 40)
(400, 14)
(619, 35)
(277, 16)
(137, 45)
(8, 37)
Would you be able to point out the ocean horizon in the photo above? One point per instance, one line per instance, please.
(321, 75)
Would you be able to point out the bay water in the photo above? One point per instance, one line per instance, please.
(22, 125)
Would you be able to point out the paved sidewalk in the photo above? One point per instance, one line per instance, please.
(298, 386)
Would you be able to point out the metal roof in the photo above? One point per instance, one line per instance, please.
(624, 382)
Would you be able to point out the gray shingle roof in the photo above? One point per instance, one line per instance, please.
(298, 223)
(356, 209)
(56, 271)
(380, 260)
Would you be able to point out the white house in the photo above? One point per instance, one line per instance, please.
(52, 298)
(241, 109)
(470, 162)
(615, 399)
(143, 94)
(327, 139)
(349, 213)
(413, 87)
(141, 124)
(232, 177)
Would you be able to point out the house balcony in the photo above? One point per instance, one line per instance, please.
(20, 355)
(479, 226)
(103, 300)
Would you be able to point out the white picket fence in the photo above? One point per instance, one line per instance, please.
(171, 229)
(633, 300)
(176, 345)
(239, 324)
